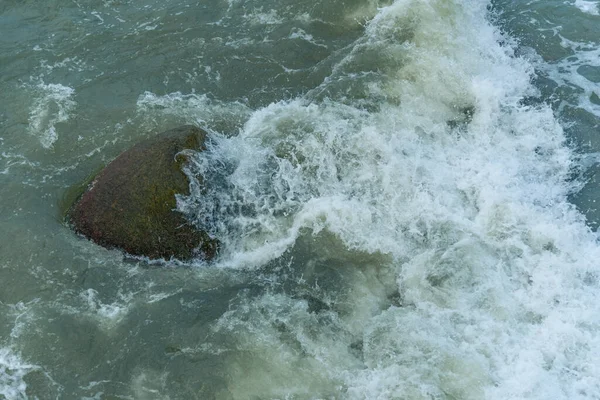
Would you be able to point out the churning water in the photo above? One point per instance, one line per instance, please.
(405, 192)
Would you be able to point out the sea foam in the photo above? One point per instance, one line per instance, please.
(53, 104)
(12, 373)
(431, 159)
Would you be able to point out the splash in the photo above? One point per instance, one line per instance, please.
(52, 105)
(588, 7)
(418, 147)
(12, 373)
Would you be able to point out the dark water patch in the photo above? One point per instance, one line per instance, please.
(325, 319)
(73, 193)
(587, 199)
(116, 331)
(582, 128)
(561, 41)
(590, 72)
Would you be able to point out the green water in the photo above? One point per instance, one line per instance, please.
(92, 321)
(373, 297)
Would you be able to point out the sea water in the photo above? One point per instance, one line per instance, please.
(405, 193)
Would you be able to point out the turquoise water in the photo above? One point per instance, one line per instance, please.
(405, 192)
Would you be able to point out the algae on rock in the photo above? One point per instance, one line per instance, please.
(131, 204)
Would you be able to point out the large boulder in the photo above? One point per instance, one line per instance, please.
(131, 204)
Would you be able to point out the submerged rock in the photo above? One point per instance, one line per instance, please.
(130, 205)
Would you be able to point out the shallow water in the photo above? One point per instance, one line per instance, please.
(405, 193)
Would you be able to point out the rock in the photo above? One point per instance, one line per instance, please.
(131, 204)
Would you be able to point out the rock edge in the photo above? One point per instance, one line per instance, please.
(131, 203)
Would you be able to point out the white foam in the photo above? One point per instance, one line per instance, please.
(156, 297)
(298, 33)
(97, 15)
(449, 175)
(260, 17)
(108, 315)
(12, 373)
(149, 385)
(24, 317)
(588, 7)
(52, 105)
(567, 72)
(195, 109)
(148, 25)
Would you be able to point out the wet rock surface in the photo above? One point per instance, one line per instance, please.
(131, 204)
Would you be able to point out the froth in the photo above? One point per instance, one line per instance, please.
(12, 373)
(589, 7)
(52, 105)
(579, 71)
(108, 315)
(432, 159)
(197, 109)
